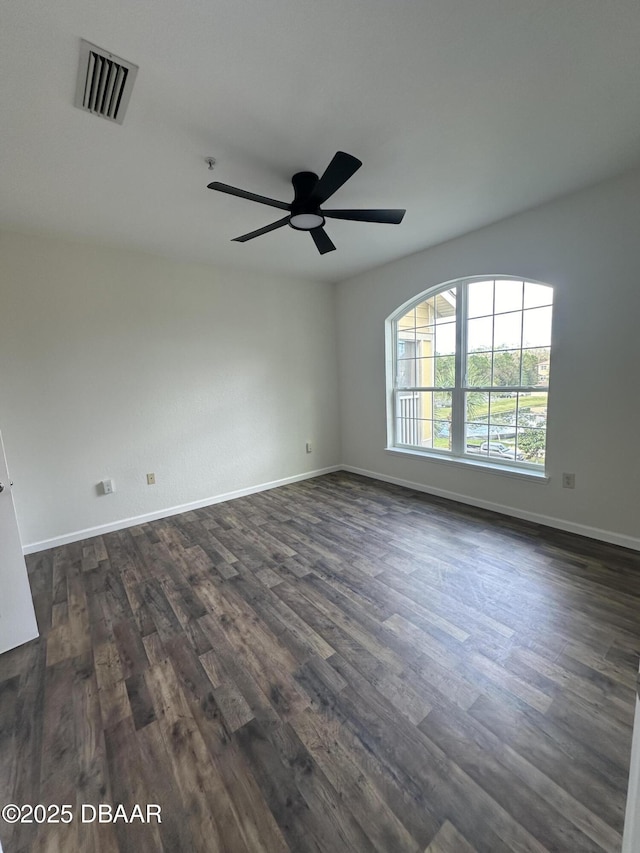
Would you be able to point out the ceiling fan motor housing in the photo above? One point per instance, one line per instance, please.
(304, 205)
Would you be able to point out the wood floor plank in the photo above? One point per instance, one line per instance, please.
(333, 666)
(449, 840)
(129, 786)
(599, 693)
(482, 758)
(403, 798)
(176, 832)
(187, 753)
(427, 768)
(293, 631)
(557, 755)
(8, 731)
(303, 801)
(321, 737)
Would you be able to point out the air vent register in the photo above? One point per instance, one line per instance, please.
(104, 82)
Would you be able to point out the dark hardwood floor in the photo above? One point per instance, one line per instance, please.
(336, 665)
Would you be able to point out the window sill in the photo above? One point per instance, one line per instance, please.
(490, 467)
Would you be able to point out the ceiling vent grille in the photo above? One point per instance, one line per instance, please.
(104, 82)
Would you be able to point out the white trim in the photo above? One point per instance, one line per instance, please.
(609, 536)
(631, 836)
(528, 473)
(121, 524)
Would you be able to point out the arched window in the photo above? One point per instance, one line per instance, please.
(470, 372)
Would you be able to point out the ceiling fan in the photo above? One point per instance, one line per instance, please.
(309, 193)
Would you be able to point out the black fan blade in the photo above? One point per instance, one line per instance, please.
(389, 217)
(225, 188)
(261, 231)
(322, 240)
(338, 172)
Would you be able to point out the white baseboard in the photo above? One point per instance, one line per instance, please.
(121, 524)
(547, 520)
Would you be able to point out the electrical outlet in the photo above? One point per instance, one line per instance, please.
(108, 487)
(151, 479)
(309, 447)
(568, 481)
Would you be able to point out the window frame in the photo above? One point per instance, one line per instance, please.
(459, 453)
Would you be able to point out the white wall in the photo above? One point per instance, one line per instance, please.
(631, 836)
(588, 246)
(116, 363)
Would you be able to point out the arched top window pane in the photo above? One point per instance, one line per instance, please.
(471, 365)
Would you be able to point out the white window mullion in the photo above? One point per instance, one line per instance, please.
(392, 428)
(457, 397)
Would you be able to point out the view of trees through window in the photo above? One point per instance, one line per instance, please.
(472, 371)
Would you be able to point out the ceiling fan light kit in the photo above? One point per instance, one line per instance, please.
(310, 192)
(306, 221)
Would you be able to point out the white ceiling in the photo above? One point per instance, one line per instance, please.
(463, 111)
